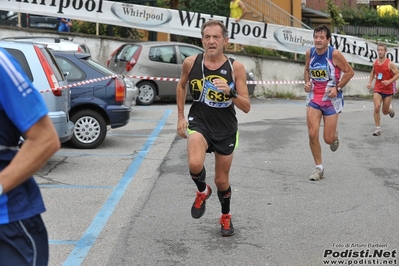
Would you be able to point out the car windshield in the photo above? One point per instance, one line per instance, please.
(55, 67)
(186, 51)
(163, 54)
(84, 48)
(100, 68)
(127, 52)
(74, 73)
(20, 57)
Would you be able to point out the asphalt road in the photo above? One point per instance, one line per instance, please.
(128, 202)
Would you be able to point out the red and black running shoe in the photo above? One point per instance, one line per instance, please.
(198, 208)
(227, 226)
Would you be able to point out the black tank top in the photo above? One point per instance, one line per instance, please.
(212, 110)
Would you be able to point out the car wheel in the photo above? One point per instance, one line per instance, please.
(90, 129)
(147, 93)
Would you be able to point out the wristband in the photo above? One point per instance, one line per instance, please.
(1, 190)
(233, 93)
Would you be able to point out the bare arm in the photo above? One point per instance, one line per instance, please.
(41, 142)
(372, 75)
(244, 10)
(181, 92)
(240, 75)
(395, 71)
(306, 73)
(340, 61)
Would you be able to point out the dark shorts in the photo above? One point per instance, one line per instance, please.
(225, 146)
(24, 243)
(383, 95)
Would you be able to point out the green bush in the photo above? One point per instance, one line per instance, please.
(368, 16)
(259, 51)
(86, 27)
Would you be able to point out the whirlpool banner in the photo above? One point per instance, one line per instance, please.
(271, 36)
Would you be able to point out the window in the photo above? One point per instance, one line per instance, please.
(20, 57)
(186, 51)
(165, 54)
(104, 70)
(126, 53)
(52, 62)
(73, 72)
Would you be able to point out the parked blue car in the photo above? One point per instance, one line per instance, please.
(94, 105)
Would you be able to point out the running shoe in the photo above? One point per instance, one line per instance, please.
(198, 208)
(391, 112)
(377, 132)
(334, 146)
(317, 174)
(227, 226)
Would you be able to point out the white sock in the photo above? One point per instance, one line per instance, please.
(205, 191)
(320, 166)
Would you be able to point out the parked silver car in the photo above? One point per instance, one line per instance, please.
(41, 68)
(60, 43)
(54, 42)
(155, 60)
(131, 92)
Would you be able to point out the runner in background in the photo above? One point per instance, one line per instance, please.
(385, 73)
(323, 83)
(237, 11)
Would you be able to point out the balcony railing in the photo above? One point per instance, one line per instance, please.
(272, 13)
(376, 2)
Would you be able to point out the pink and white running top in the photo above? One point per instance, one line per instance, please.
(323, 74)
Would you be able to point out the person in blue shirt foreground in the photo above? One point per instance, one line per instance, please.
(23, 235)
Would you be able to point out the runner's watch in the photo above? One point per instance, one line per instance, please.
(1, 190)
(233, 93)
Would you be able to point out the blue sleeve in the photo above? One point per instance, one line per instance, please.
(20, 100)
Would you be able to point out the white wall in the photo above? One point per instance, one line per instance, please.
(264, 69)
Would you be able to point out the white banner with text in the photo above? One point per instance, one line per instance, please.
(270, 36)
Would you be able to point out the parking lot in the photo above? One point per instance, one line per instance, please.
(128, 201)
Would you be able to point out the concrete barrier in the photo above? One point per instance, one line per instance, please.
(267, 70)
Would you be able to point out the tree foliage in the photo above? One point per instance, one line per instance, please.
(335, 15)
(365, 15)
(87, 27)
(211, 7)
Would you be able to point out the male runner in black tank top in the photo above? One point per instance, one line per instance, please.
(217, 86)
